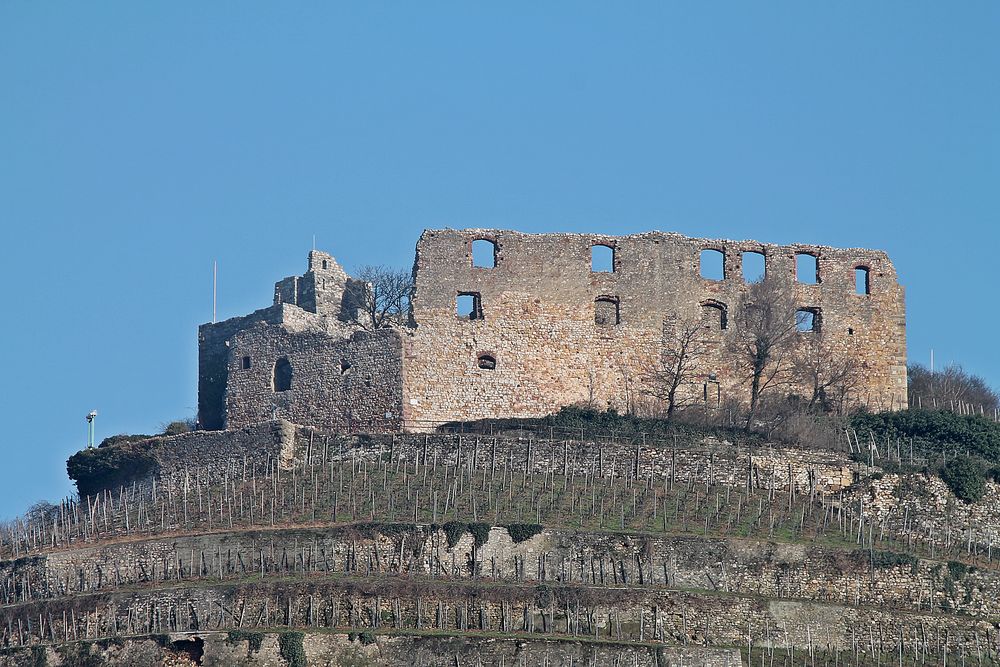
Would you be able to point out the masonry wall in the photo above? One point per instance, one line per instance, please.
(555, 556)
(538, 320)
(343, 383)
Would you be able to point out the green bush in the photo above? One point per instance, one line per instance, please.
(79, 655)
(179, 426)
(594, 422)
(254, 639)
(965, 477)
(543, 596)
(366, 638)
(290, 648)
(101, 468)
(480, 533)
(453, 531)
(883, 560)
(370, 529)
(957, 570)
(519, 532)
(933, 432)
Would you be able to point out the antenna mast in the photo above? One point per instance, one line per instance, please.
(215, 287)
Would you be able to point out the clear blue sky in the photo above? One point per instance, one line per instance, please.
(140, 141)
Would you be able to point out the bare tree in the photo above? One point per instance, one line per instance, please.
(828, 377)
(950, 386)
(380, 295)
(763, 338)
(677, 366)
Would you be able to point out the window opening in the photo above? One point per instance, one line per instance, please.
(862, 280)
(806, 268)
(469, 306)
(602, 258)
(850, 331)
(484, 254)
(713, 264)
(714, 315)
(282, 380)
(324, 263)
(754, 266)
(246, 363)
(345, 366)
(807, 320)
(486, 361)
(606, 311)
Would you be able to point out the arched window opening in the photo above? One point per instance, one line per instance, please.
(469, 306)
(324, 263)
(484, 254)
(602, 258)
(862, 280)
(807, 320)
(345, 366)
(606, 311)
(754, 266)
(713, 264)
(806, 268)
(246, 363)
(282, 380)
(714, 315)
(486, 361)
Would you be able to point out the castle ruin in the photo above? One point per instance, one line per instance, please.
(536, 326)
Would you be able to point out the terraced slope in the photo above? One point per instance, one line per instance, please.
(280, 545)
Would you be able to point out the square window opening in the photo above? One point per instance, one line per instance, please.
(713, 264)
(484, 254)
(246, 363)
(807, 268)
(807, 320)
(469, 306)
(862, 280)
(606, 311)
(754, 266)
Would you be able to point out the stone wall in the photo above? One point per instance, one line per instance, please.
(340, 376)
(344, 383)
(537, 308)
(555, 556)
(329, 649)
(668, 616)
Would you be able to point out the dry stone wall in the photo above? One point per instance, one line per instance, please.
(671, 617)
(556, 556)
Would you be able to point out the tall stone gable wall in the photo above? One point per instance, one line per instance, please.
(538, 320)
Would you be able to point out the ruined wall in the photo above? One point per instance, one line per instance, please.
(336, 374)
(341, 383)
(536, 319)
(320, 290)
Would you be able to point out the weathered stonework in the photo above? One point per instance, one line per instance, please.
(538, 320)
(547, 332)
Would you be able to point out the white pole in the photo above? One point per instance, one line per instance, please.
(215, 289)
(932, 360)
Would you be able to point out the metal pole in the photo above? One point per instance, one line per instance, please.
(215, 286)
